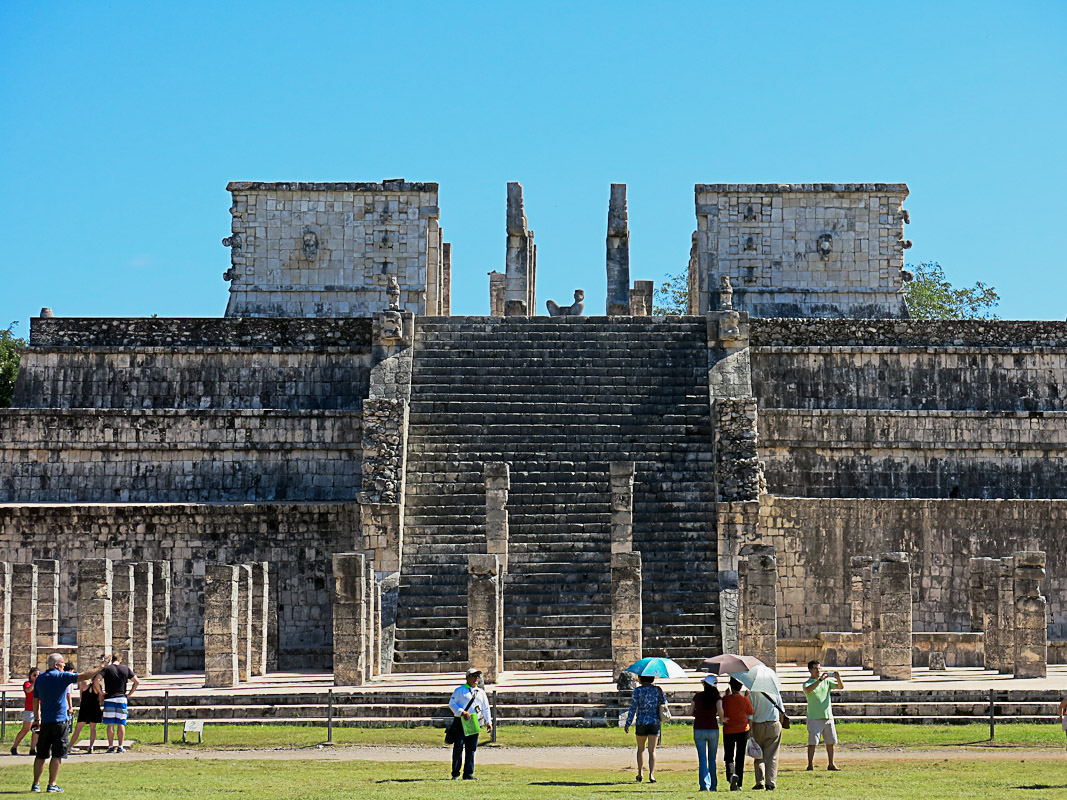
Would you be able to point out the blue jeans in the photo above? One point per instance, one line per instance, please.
(707, 743)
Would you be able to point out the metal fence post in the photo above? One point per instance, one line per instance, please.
(992, 716)
(329, 718)
(496, 720)
(166, 717)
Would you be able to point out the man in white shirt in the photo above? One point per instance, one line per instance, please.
(469, 701)
(767, 732)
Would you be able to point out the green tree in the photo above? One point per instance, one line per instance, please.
(10, 347)
(931, 295)
(672, 296)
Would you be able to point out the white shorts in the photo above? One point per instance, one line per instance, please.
(823, 729)
(27, 716)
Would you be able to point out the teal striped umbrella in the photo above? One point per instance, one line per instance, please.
(658, 667)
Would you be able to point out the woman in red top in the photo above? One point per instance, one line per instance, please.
(737, 708)
(27, 716)
(707, 711)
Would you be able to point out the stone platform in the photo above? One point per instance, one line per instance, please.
(576, 698)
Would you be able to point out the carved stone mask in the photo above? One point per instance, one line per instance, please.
(825, 246)
(311, 244)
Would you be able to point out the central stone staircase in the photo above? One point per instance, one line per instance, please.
(558, 399)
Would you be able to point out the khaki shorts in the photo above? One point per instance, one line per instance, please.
(823, 729)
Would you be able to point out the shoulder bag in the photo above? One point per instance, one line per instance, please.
(452, 731)
(783, 718)
(664, 708)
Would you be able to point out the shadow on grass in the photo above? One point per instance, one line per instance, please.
(1041, 786)
(406, 780)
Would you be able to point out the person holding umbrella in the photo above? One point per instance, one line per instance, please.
(737, 709)
(706, 709)
(646, 704)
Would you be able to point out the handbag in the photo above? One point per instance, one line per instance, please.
(457, 724)
(783, 718)
(1063, 723)
(664, 708)
(755, 752)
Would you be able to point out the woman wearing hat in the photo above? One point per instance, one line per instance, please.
(707, 713)
(468, 701)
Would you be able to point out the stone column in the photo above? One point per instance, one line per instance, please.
(485, 646)
(47, 609)
(521, 258)
(735, 523)
(497, 293)
(760, 604)
(260, 616)
(626, 615)
(368, 606)
(143, 583)
(866, 599)
(244, 621)
(1006, 616)
(220, 625)
(5, 621)
(23, 618)
(95, 643)
(446, 279)
(622, 506)
(641, 298)
(272, 625)
(349, 619)
(1030, 654)
(618, 253)
(161, 581)
(376, 666)
(872, 636)
(990, 569)
(122, 600)
(856, 603)
(894, 609)
(497, 488)
(976, 593)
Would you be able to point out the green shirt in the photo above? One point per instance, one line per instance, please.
(819, 698)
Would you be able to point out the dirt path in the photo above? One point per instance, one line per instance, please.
(621, 758)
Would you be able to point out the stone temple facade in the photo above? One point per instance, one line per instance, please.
(744, 475)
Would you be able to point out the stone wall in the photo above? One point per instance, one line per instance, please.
(297, 540)
(875, 453)
(178, 456)
(815, 538)
(943, 377)
(907, 333)
(328, 249)
(823, 250)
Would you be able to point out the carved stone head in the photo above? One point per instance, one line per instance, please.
(825, 246)
(392, 325)
(392, 291)
(311, 244)
(726, 294)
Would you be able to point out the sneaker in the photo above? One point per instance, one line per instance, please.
(809, 768)
(14, 751)
(52, 789)
(35, 788)
(120, 749)
(89, 750)
(111, 749)
(758, 786)
(32, 752)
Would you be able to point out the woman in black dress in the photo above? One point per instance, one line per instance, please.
(90, 710)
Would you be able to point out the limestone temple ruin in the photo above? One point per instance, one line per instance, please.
(338, 464)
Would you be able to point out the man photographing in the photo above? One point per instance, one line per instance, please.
(50, 710)
(820, 716)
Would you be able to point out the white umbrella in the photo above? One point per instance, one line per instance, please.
(761, 678)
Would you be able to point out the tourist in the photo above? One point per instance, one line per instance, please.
(767, 733)
(116, 708)
(468, 702)
(27, 715)
(645, 703)
(707, 711)
(50, 711)
(90, 712)
(820, 715)
(736, 709)
(1063, 714)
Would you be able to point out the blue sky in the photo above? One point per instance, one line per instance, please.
(122, 122)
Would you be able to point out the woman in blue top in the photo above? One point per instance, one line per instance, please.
(645, 705)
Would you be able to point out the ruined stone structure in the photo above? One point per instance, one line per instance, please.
(616, 467)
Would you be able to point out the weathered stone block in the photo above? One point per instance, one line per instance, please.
(349, 619)
(23, 617)
(95, 644)
(221, 611)
(626, 610)
(485, 611)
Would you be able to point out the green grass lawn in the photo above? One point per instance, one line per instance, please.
(852, 734)
(400, 781)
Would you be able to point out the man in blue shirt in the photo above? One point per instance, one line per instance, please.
(50, 711)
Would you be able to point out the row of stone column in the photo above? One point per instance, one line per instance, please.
(357, 620)
(236, 622)
(1008, 607)
(29, 613)
(627, 613)
(881, 609)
